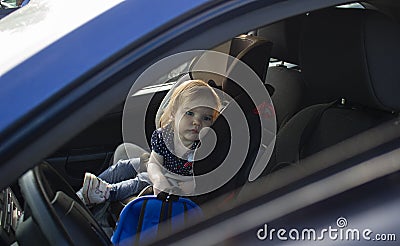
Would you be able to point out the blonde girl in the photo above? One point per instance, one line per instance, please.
(193, 106)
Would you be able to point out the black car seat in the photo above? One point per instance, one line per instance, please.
(348, 60)
(237, 47)
(255, 53)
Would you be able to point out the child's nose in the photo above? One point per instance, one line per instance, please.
(196, 121)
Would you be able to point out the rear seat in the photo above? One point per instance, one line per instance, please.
(289, 90)
(286, 80)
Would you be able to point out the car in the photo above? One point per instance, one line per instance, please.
(308, 137)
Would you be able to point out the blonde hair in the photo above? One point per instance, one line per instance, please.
(184, 93)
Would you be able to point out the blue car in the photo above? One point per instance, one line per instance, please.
(306, 146)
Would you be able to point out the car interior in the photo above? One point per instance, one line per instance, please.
(344, 81)
(7, 8)
(326, 79)
(330, 88)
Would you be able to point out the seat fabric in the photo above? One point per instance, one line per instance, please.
(343, 63)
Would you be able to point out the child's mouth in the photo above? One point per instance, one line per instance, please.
(194, 131)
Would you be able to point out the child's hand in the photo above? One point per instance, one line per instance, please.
(156, 191)
(187, 187)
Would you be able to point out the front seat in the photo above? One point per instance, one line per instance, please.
(350, 79)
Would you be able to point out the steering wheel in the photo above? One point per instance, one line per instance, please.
(57, 212)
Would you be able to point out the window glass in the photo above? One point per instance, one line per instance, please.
(351, 6)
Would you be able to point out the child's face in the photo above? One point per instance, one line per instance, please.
(191, 117)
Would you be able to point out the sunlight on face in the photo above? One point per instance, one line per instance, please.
(193, 116)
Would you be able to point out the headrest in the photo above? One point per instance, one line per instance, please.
(254, 52)
(351, 54)
(209, 61)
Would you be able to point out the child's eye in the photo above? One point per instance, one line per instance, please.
(207, 118)
(190, 113)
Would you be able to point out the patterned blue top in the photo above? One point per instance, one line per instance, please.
(162, 142)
